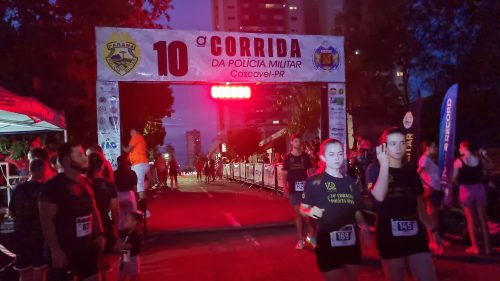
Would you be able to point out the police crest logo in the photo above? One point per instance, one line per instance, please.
(326, 58)
(121, 53)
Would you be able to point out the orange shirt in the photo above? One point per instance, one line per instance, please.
(138, 153)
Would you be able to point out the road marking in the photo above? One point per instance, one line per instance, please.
(206, 192)
(246, 235)
(232, 220)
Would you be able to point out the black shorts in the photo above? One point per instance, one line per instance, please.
(329, 258)
(30, 254)
(82, 263)
(391, 247)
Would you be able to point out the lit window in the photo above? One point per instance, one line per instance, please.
(399, 73)
(357, 52)
(276, 121)
(292, 7)
(270, 6)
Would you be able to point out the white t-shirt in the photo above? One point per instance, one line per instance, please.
(429, 172)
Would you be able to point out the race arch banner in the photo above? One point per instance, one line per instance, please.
(125, 54)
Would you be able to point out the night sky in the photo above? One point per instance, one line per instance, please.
(194, 109)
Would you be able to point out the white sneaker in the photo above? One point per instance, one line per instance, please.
(148, 214)
(300, 245)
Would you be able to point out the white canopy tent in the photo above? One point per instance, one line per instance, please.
(19, 115)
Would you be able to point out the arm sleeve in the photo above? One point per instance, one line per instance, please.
(47, 193)
(418, 183)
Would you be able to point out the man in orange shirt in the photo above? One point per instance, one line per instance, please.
(138, 158)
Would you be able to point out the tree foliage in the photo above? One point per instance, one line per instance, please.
(243, 142)
(47, 49)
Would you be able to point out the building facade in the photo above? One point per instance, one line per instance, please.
(193, 147)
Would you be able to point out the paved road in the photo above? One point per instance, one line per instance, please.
(221, 237)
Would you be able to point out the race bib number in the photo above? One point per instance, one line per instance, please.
(404, 227)
(125, 255)
(83, 226)
(299, 185)
(346, 236)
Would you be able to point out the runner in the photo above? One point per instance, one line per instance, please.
(397, 190)
(29, 243)
(199, 169)
(333, 200)
(138, 158)
(468, 173)
(108, 168)
(173, 171)
(296, 166)
(70, 220)
(106, 198)
(431, 181)
(126, 183)
(161, 170)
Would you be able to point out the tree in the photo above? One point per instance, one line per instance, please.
(304, 104)
(47, 49)
(243, 142)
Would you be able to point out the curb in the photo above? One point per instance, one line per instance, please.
(221, 229)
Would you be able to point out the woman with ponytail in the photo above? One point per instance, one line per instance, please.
(332, 199)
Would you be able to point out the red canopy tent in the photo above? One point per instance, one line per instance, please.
(27, 115)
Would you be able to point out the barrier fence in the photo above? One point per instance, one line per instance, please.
(260, 174)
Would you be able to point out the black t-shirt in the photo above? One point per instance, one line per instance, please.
(24, 208)
(125, 180)
(73, 218)
(401, 198)
(297, 167)
(338, 196)
(104, 191)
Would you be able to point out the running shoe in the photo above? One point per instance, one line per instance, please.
(472, 250)
(311, 241)
(148, 214)
(300, 245)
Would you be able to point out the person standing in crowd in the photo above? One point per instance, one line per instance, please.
(29, 243)
(431, 181)
(206, 171)
(397, 190)
(161, 170)
(106, 198)
(468, 173)
(199, 169)
(130, 263)
(70, 220)
(173, 172)
(296, 167)
(211, 164)
(334, 201)
(277, 159)
(107, 172)
(40, 153)
(138, 158)
(126, 183)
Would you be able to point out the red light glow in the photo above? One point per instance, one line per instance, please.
(230, 92)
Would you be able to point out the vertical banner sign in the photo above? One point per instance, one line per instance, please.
(108, 120)
(447, 141)
(411, 126)
(337, 118)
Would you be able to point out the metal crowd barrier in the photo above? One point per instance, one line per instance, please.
(256, 174)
